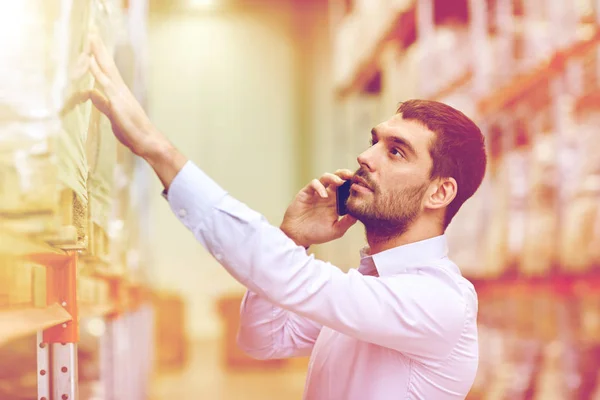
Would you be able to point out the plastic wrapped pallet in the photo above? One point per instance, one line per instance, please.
(541, 226)
(102, 157)
(42, 131)
(404, 80)
(124, 218)
(101, 144)
(537, 33)
(51, 143)
(123, 230)
(22, 283)
(466, 232)
(503, 43)
(451, 42)
(40, 56)
(580, 239)
(594, 246)
(345, 58)
(551, 383)
(519, 186)
(496, 257)
(388, 96)
(496, 240)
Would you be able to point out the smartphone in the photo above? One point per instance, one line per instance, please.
(342, 194)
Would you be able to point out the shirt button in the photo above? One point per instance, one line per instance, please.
(182, 213)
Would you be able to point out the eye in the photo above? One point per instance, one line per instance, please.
(397, 152)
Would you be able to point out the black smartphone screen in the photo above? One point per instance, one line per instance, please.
(343, 192)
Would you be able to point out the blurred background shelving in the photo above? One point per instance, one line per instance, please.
(527, 72)
(265, 95)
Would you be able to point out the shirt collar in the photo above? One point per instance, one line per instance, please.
(397, 259)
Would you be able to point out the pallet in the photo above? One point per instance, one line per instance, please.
(70, 222)
(98, 241)
(16, 282)
(17, 244)
(59, 222)
(27, 190)
(19, 322)
(72, 219)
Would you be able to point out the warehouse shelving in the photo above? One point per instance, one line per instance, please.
(522, 85)
(398, 26)
(61, 262)
(522, 89)
(538, 318)
(123, 310)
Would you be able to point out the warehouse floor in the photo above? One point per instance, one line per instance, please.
(206, 378)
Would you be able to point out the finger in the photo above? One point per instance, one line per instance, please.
(99, 100)
(343, 224)
(318, 187)
(78, 98)
(330, 179)
(73, 101)
(344, 173)
(103, 56)
(99, 75)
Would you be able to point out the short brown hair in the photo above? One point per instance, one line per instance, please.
(458, 150)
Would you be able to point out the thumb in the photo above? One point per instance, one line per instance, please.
(99, 100)
(342, 226)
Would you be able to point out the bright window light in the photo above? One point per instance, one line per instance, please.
(203, 3)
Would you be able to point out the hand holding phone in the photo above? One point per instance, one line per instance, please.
(342, 194)
(311, 219)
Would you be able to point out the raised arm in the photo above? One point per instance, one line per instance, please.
(418, 314)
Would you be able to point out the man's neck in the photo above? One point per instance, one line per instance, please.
(415, 233)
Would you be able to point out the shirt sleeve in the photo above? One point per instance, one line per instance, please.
(268, 332)
(418, 314)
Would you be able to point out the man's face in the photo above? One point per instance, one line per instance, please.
(389, 187)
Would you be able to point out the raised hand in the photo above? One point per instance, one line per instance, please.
(129, 121)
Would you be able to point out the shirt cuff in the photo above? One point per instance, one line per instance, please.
(193, 194)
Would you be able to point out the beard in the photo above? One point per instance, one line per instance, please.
(386, 214)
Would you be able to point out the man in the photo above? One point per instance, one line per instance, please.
(402, 326)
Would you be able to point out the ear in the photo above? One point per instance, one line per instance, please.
(440, 193)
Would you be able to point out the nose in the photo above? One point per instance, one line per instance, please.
(365, 159)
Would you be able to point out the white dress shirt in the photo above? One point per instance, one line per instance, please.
(401, 326)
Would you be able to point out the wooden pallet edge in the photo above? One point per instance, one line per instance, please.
(16, 323)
